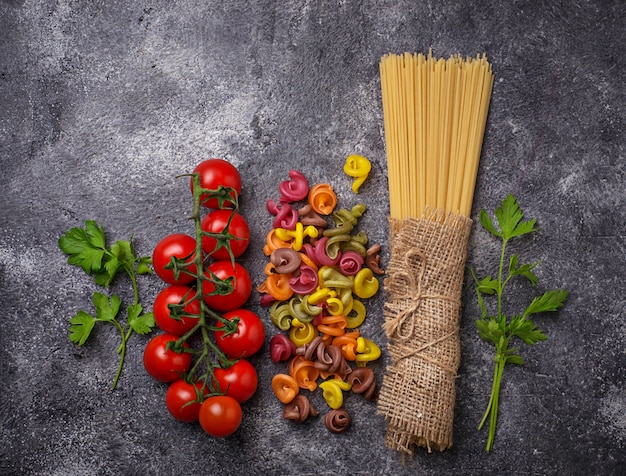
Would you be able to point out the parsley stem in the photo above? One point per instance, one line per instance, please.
(490, 404)
(496, 401)
(133, 279)
(501, 284)
(126, 335)
(122, 352)
(492, 407)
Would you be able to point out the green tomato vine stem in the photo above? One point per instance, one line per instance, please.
(209, 349)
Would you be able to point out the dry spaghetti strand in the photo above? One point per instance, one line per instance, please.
(435, 112)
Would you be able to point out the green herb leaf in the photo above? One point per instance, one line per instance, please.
(549, 301)
(523, 270)
(481, 304)
(95, 234)
(85, 247)
(123, 251)
(526, 330)
(103, 278)
(81, 326)
(143, 265)
(514, 359)
(140, 323)
(487, 224)
(489, 331)
(106, 310)
(488, 285)
(509, 216)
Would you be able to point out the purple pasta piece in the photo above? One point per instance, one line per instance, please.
(337, 421)
(285, 260)
(299, 409)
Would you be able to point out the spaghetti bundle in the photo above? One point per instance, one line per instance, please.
(435, 111)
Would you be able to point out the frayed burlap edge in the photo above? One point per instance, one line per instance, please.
(424, 282)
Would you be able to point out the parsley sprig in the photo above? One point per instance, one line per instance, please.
(87, 248)
(497, 328)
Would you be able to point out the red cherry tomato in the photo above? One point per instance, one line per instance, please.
(242, 286)
(178, 397)
(216, 222)
(176, 295)
(216, 172)
(180, 246)
(248, 338)
(239, 381)
(165, 365)
(220, 415)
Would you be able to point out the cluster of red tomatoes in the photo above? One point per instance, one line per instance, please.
(204, 300)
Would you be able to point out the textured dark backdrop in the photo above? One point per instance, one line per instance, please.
(103, 103)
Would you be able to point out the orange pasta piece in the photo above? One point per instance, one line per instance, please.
(304, 372)
(322, 199)
(348, 344)
(332, 325)
(277, 285)
(285, 387)
(273, 243)
(269, 269)
(308, 261)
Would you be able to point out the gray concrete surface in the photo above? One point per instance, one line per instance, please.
(102, 104)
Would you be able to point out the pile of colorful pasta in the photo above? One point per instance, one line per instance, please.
(318, 277)
(435, 112)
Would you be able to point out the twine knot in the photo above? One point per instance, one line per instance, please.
(409, 283)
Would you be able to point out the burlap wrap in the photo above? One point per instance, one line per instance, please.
(424, 281)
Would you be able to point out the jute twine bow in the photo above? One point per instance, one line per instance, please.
(402, 326)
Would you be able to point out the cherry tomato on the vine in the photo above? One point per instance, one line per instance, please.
(180, 246)
(165, 365)
(220, 415)
(242, 286)
(177, 295)
(216, 172)
(246, 340)
(178, 397)
(216, 222)
(239, 381)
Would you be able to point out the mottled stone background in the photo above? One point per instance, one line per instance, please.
(102, 104)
